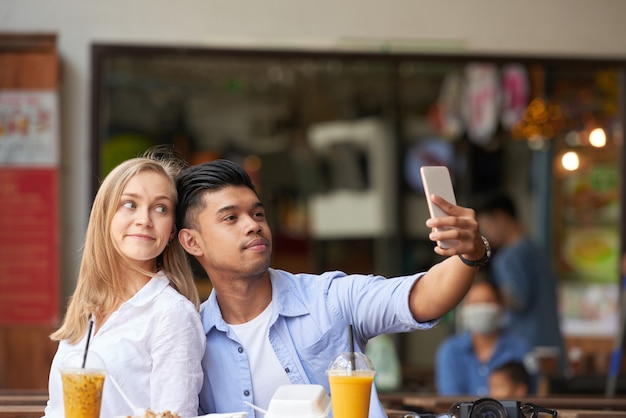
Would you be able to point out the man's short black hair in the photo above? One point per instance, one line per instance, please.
(515, 371)
(497, 202)
(193, 181)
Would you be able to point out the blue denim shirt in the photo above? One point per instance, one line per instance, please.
(309, 325)
(524, 273)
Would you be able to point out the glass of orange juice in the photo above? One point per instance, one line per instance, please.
(82, 386)
(350, 375)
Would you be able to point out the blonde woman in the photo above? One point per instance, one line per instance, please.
(136, 282)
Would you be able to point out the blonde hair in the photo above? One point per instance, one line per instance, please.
(99, 288)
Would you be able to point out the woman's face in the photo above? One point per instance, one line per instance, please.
(482, 313)
(143, 223)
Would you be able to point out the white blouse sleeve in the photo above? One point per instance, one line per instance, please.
(177, 350)
(54, 407)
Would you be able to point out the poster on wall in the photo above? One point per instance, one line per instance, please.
(590, 251)
(29, 214)
(28, 128)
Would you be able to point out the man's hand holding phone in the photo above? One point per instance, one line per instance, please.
(454, 228)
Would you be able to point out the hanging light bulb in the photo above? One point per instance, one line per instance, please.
(597, 138)
(570, 161)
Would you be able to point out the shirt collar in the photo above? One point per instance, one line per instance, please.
(286, 303)
(465, 341)
(147, 293)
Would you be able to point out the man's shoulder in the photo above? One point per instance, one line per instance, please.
(285, 284)
(277, 272)
(524, 245)
(302, 280)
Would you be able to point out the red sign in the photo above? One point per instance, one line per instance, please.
(29, 246)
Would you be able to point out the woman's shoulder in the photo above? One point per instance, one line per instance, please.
(174, 297)
(168, 298)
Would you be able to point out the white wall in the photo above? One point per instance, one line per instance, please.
(551, 28)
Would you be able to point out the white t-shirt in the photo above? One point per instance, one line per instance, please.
(152, 346)
(267, 372)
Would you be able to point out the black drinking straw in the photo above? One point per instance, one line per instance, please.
(352, 363)
(88, 338)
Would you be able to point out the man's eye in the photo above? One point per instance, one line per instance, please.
(230, 218)
(259, 215)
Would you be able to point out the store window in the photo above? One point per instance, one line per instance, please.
(587, 208)
(334, 142)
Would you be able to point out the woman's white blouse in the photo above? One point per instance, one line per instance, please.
(152, 346)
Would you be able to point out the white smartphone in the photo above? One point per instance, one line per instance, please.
(437, 180)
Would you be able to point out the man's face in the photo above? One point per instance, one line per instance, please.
(233, 239)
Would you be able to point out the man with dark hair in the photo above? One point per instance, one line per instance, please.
(510, 381)
(523, 273)
(267, 327)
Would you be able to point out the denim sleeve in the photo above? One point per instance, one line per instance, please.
(374, 304)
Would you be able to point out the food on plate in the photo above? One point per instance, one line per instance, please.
(151, 414)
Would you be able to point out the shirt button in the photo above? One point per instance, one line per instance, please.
(246, 393)
(240, 349)
(287, 370)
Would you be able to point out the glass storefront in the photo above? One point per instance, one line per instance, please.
(334, 142)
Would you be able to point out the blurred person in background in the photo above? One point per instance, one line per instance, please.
(509, 381)
(137, 287)
(524, 275)
(465, 360)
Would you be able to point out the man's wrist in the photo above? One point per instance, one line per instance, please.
(482, 261)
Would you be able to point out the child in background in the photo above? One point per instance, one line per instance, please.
(509, 381)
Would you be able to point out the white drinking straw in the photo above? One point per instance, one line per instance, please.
(136, 411)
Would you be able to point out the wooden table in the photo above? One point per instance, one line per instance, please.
(395, 400)
(441, 404)
(25, 403)
(21, 411)
(581, 413)
(35, 399)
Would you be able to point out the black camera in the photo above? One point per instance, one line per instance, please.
(489, 408)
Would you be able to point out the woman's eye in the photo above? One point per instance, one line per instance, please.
(162, 210)
(128, 205)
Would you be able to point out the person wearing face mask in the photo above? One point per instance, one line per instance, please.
(465, 360)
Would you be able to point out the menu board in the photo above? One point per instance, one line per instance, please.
(29, 212)
(591, 210)
(589, 256)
